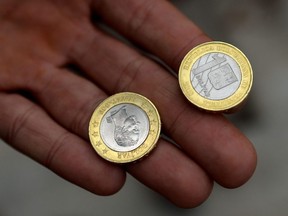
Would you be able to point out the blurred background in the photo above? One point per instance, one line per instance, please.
(260, 29)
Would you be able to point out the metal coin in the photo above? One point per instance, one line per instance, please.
(124, 127)
(216, 76)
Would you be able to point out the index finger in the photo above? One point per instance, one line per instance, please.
(156, 25)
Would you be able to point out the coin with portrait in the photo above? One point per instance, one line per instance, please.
(124, 128)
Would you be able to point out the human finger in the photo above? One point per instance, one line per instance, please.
(157, 26)
(71, 100)
(27, 128)
(213, 142)
(170, 172)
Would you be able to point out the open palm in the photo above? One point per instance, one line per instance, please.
(46, 106)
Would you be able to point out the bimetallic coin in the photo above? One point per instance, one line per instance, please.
(124, 127)
(215, 76)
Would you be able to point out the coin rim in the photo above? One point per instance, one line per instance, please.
(228, 103)
(149, 143)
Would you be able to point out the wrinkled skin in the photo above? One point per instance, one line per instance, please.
(45, 107)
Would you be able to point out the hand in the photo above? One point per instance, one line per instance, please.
(45, 107)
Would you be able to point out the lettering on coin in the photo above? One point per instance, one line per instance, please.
(95, 124)
(215, 76)
(94, 134)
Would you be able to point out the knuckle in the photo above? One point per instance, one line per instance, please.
(18, 123)
(129, 74)
(140, 15)
(55, 148)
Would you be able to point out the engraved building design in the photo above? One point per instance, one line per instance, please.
(215, 74)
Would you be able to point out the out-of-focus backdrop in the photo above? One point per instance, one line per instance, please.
(260, 29)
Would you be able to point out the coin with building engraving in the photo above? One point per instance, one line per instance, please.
(124, 128)
(216, 76)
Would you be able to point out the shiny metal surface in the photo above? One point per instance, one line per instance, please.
(124, 127)
(215, 76)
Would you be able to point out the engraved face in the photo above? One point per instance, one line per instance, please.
(124, 127)
(127, 134)
(215, 76)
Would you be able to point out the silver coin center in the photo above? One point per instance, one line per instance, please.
(215, 76)
(124, 127)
